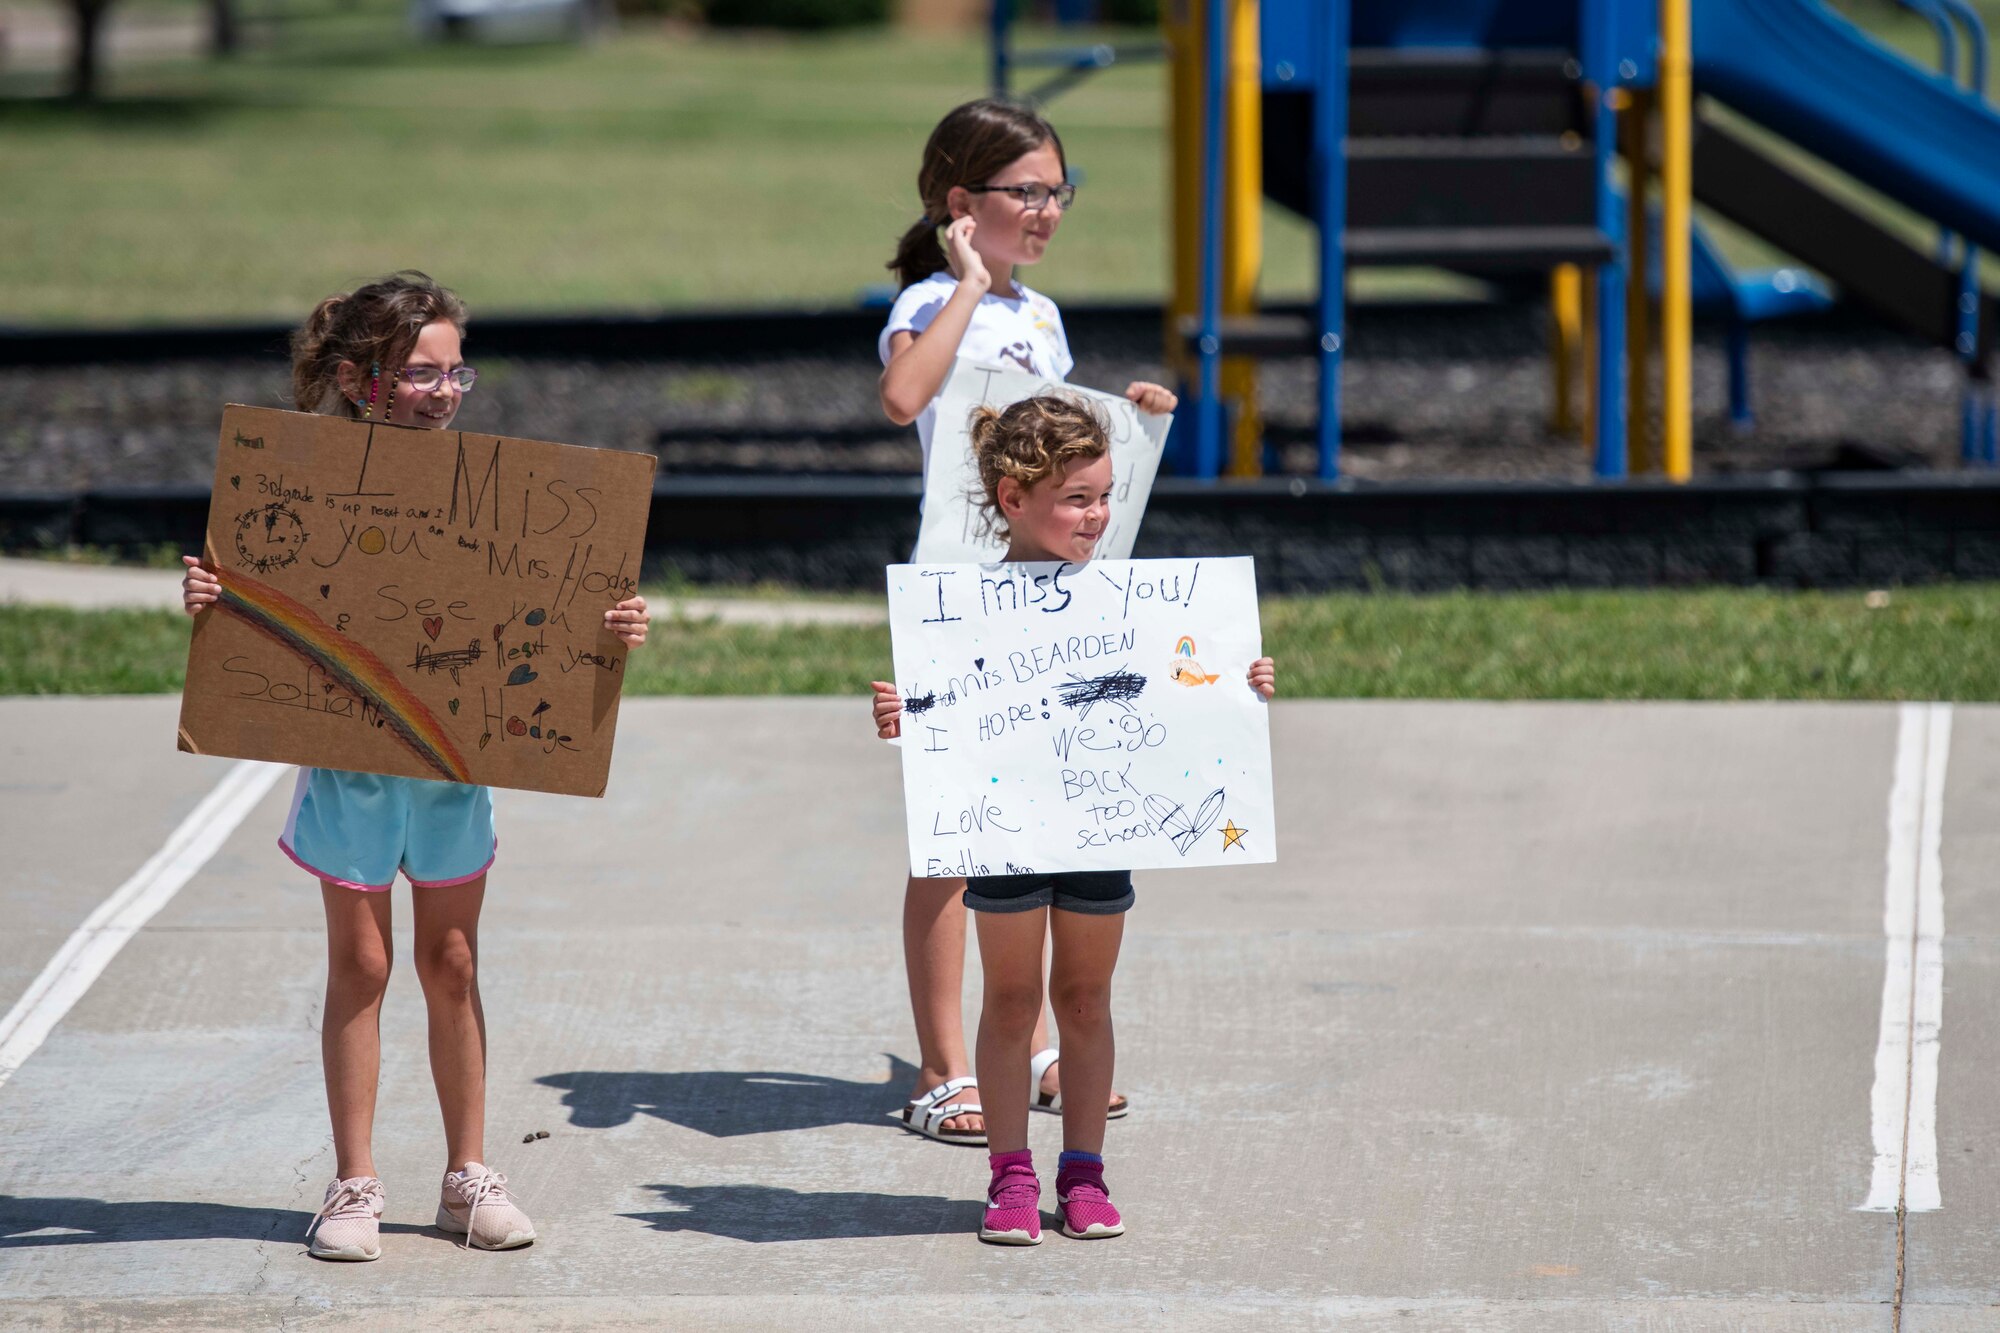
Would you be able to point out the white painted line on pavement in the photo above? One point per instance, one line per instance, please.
(1903, 1104)
(92, 945)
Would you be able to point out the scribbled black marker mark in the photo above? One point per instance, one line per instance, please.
(920, 704)
(452, 661)
(1116, 688)
(1172, 815)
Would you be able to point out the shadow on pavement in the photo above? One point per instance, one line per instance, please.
(103, 1222)
(726, 1103)
(761, 1214)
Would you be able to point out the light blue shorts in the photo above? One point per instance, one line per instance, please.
(359, 829)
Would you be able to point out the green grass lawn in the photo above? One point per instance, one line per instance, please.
(657, 168)
(1929, 643)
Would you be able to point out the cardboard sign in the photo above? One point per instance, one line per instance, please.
(956, 528)
(426, 603)
(1081, 717)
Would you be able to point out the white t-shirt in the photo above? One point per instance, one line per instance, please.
(1022, 332)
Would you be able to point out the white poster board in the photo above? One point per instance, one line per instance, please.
(1081, 717)
(954, 526)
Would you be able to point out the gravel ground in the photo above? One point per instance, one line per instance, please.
(1442, 393)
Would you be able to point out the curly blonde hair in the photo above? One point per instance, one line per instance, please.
(1030, 441)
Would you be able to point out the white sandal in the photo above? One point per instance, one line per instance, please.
(1052, 1101)
(926, 1115)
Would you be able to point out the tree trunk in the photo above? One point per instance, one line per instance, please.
(225, 30)
(84, 60)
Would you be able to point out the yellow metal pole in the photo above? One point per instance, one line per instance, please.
(1635, 142)
(1592, 389)
(1565, 335)
(1243, 227)
(1676, 218)
(1180, 23)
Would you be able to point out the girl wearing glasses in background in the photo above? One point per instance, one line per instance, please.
(995, 186)
(389, 352)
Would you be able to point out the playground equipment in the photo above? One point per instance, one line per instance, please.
(1483, 136)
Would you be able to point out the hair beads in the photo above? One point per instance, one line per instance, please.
(389, 408)
(374, 382)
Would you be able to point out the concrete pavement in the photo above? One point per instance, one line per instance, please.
(1549, 1017)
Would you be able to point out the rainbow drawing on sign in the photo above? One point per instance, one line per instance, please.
(347, 663)
(1186, 670)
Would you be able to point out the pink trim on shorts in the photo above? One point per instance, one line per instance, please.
(333, 879)
(462, 879)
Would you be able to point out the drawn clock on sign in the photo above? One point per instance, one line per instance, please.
(269, 537)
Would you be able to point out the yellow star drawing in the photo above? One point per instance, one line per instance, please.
(1232, 836)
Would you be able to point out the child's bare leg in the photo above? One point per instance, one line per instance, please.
(350, 1037)
(447, 952)
(1086, 953)
(934, 953)
(1051, 1083)
(1010, 952)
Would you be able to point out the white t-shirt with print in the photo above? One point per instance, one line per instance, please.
(1021, 332)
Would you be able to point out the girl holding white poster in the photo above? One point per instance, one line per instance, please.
(1045, 470)
(995, 187)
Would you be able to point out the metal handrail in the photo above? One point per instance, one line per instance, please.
(1979, 413)
(1073, 63)
(1947, 38)
(1979, 418)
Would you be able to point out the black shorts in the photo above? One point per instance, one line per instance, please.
(1091, 892)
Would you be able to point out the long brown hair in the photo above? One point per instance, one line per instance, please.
(375, 324)
(973, 143)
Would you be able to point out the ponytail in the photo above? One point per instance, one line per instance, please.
(918, 254)
(313, 375)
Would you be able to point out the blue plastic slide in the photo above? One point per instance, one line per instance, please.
(1798, 68)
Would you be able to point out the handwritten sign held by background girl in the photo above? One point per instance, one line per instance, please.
(953, 528)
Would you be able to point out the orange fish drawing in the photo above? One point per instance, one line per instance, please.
(1186, 671)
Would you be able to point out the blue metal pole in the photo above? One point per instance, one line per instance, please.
(1600, 70)
(1001, 18)
(1215, 75)
(1973, 444)
(1739, 374)
(1329, 181)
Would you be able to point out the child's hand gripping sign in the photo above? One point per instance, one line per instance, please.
(1060, 717)
(426, 603)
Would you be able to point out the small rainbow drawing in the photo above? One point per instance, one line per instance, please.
(293, 625)
(1187, 671)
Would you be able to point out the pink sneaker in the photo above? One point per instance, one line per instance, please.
(348, 1225)
(474, 1203)
(1086, 1208)
(1013, 1202)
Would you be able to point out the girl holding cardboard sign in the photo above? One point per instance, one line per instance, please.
(995, 187)
(390, 351)
(1045, 470)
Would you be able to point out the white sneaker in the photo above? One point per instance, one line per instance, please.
(348, 1224)
(475, 1203)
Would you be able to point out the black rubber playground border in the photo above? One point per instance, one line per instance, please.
(689, 336)
(1779, 529)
